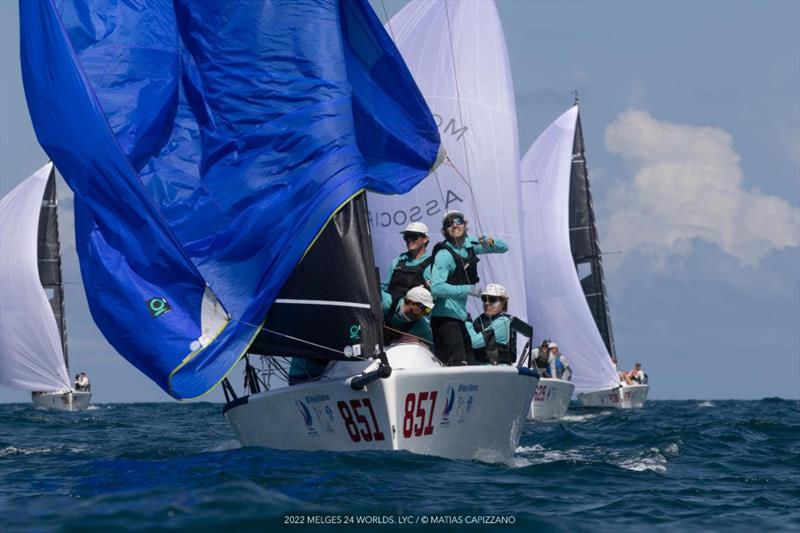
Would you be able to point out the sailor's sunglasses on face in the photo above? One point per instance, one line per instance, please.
(455, 221)
(490, 299)
(422, 308)
(411, 237)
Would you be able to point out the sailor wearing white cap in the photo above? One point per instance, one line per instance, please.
(454, 275)
(408, 269)
(408, 314)
(492, 338)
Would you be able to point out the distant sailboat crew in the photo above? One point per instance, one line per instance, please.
(567, 298)
(33, 337)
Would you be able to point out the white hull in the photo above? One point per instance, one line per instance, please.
(624, 397)
(61, 401)
(551, 399)
(474, 412)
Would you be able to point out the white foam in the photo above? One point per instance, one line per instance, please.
(224, 446)
(671, 449)
(706, 403)
(582, 418)
(652, 461)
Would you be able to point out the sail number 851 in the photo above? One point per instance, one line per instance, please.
(357, 424)
(418, 408)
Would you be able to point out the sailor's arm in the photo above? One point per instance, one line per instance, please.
(489, 245)
(388, 275)
(476, 338)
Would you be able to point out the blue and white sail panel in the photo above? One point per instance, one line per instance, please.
(556, 304)
(207, 145)
(457, 53)
(31, 354)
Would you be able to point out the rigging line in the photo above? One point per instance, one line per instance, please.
(461, 116)
(297, 339)
(441, 191)
(487, 260)
(388, 21)
(405, 333)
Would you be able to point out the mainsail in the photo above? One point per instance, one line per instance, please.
(208, 144)
(31, 354)
(557, 305)
(584, 242)
(457, 53)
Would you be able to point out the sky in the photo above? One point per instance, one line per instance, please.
(691, 119)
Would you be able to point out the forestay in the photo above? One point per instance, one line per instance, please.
(556, 304)
(208, 143)
(457, 54)
(31, 355)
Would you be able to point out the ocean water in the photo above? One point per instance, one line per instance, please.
(688, 465)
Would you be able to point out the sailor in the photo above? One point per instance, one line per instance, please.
(77, 385)
(541, 358)
(637, 375)
(83, 383)
(407, 269)
(407, 315)
(454, 277)
(491, 332)
(557, 363)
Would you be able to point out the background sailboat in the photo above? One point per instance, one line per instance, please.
(33, 337)
(566, 296)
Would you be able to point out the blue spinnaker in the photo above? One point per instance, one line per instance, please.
(207, 144)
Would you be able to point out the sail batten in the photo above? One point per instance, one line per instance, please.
(216, 141)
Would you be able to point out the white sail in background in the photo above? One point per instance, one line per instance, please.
(557, 307)
(473, 105)
(31, 355)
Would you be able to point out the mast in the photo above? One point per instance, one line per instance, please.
(584, 241)
(49, 259)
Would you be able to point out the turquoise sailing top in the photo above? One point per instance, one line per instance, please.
(451, 300)
(207, 144)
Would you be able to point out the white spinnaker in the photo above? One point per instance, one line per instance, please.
(473, 105)
(31, 356)
(557, 307)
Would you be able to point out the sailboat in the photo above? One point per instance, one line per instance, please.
(222, 212)
(33, 336)
(567, 297)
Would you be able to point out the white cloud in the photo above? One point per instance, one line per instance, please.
(688, 185)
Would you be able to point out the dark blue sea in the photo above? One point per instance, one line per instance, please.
(674, 465)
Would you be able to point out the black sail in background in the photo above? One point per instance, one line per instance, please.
(584, 242)
(332, 299)
(49, 262)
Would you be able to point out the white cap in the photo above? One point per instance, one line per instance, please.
(451, 213)
(421, 295)
(495, 289)
(552, 345)
(416, 227)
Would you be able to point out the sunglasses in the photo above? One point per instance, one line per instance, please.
(411, 237)
(456, 221)
(490, 299)
(425, 310)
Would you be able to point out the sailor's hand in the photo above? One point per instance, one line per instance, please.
(487, 242)
(475, 291)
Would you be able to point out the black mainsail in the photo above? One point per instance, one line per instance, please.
(584, 242)
(331, 307)
(49, 259)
